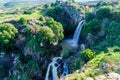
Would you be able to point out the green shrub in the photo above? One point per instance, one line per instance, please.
(41, 18)
(89, 16)
(56, 13)
(116, 15)
(45, 36)
(87, 54)
(104, 12)
(91, 27)
(27, 12)
(56, 27)
(22, 20)
(7, 33)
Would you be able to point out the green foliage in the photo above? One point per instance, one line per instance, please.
(31, 67)
(84, 57)
(74, 76)
(67, 54)
(104, 12)
(94, 67)
(28, 32)
(56, 27)
(91, 27)
(47, 5)
(27, 12)
(87, 54)
(89, 16)
(56, 13)
(112, 36)
(116, 15)
(41, 18)
(71, 1)
(88, 9)
(113, 33)
(45, 36)
(22, 20)
(7, 33)
(56, 2)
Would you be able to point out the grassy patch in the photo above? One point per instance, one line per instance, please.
(94, 67)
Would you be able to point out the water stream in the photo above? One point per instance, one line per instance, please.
(74, 42)
(53, 66)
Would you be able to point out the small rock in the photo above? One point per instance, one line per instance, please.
(105, 66)
(100, 77)
(82, 47)
(77, 71)
(113, 75)
(89, 78)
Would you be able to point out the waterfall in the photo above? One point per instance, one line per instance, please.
(77, 31)
(54, 64)
(47, 74)
(74, 42)
(65, 72)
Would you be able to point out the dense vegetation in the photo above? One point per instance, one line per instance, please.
(7, 34)
(30, 37)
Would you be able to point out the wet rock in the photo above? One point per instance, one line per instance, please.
(90, 39)
(101, 33)
(20, 41)
(89, 36)
(6, 63)
(59, 61)
(56, 64)
(82, 47)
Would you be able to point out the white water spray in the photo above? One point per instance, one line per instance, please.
(74, 42)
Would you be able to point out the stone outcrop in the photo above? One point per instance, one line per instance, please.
(72, 11)
(109, 76)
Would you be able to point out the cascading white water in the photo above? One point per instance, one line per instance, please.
(47, 74)
(65, 71)
(54, 64)
(78, 30)
(74, 42)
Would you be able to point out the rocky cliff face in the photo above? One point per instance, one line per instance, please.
(72, 11)
(67, 14)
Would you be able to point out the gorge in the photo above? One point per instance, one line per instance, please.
(54, 65)
(59, 40)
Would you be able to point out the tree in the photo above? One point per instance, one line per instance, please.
(87, 54)
(41, 18)
(91, 27)
(7, 33)
(45, 36)
(71, 1)
(103, 12)
(116, 15)
(56, 28)
(22, 20)
(89, 16)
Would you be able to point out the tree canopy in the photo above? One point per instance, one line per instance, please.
(91, 27)
(7, 33)
(104, 12)
(56, 27)
(89, 16)
(45, 35)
